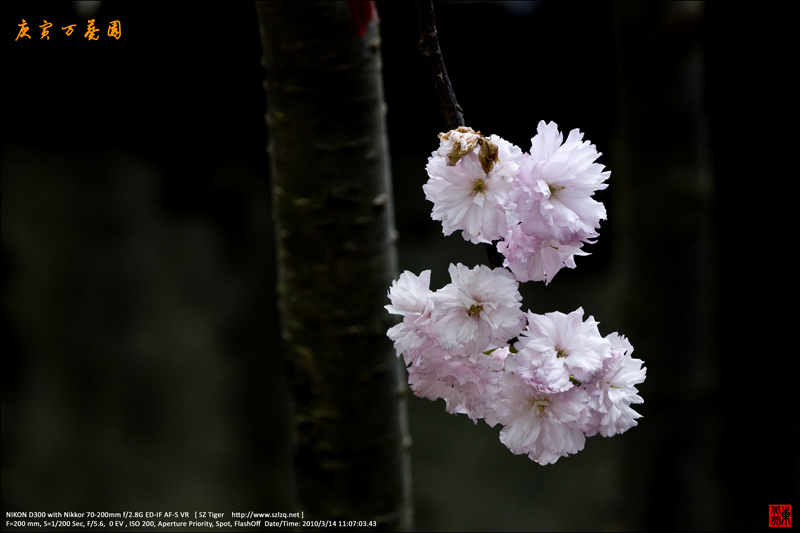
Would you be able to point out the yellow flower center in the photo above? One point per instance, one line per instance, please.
(540, 405)
(474, 309)
(554, 189)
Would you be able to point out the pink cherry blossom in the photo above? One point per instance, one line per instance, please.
(531, 258)
(479, 310)
(557, 347)
(465, 383)
(411, 297)
(614, 390)
(545, 426)
(465, 195)
(554, 187)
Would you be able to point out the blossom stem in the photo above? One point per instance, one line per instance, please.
(495, 257)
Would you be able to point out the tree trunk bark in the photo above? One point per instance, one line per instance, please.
(334, 225)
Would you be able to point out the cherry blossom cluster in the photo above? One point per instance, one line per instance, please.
(550, 380)
(538, 205)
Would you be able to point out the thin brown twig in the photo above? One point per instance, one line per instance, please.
(429, 47)
(453, 114)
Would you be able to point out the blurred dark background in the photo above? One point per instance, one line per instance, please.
(141, 355)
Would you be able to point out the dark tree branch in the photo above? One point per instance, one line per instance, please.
(495, 257)
(429, 47)
(453, 114)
